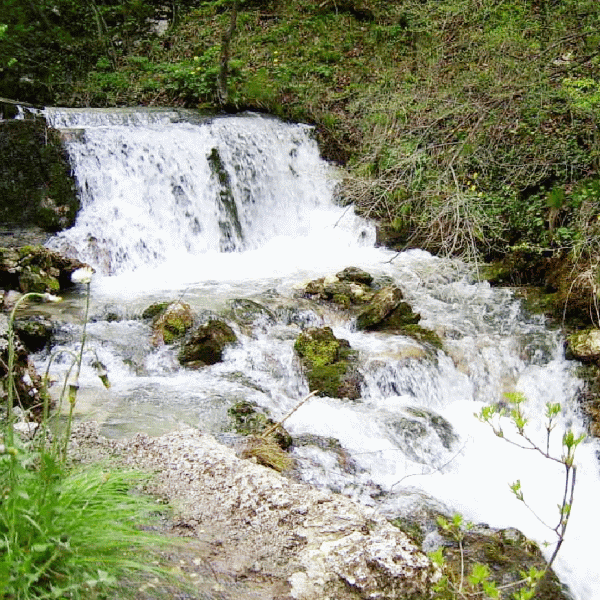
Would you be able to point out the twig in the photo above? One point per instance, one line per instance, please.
(274, 427)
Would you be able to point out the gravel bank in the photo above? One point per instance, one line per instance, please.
(255, 534)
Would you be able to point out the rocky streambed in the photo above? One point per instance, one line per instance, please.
(254, 534)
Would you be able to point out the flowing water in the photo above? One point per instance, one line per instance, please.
(212, 211)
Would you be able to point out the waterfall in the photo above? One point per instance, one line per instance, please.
(214, 209)
(157, 191)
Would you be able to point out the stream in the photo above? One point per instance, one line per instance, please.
(214, 210)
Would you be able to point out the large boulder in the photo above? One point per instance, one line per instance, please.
(36, 184)
(330, 364)
(206, 344)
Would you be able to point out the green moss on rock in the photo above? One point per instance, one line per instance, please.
(248, 419)
(329, 362)
(206, 344)
(172, 323)
(36, 185)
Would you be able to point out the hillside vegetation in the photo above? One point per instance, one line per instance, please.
(467, 127)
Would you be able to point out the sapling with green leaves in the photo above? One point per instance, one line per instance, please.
(494, 416)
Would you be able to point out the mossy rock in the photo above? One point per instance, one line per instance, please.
(34, 279)
(36, 184)
(172, 323)
(347, 289)
(248, 419)
(381, 306)
(507, 553)
(36, 269)
(388, 312)
(584, 345)
(35, 332)
(355, 275)
(329, 362)
(206, 344)
(154, 310)
(589, 397)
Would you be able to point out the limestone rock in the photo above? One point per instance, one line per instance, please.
(329, 362)
(322, 545)
(585, 345)
(206, 344)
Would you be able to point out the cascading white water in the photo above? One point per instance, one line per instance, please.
(241, 208)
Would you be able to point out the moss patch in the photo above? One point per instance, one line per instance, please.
(329, 362)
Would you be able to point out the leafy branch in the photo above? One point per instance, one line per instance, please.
(493, 415)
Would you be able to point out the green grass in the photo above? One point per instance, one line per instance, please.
(69, 532)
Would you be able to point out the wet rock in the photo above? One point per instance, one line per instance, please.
(346, 292)
(172, 323)
(355, 275)
(388, 312)
(36, 269)
(589, 396)
(507, 553)
(329, 362)
(155, 310)
(248, 419)
(26, 380)
(206, 344)
(250, 314)
(424, 436)
(386, 304)
(35, 332)
(584, 345)
(36, 185)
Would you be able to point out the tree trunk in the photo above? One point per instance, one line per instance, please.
(222, 91)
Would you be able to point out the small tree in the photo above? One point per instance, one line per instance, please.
(492, 415)
(222, 89)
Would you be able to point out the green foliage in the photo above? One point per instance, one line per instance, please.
(67, 532)
(583, 94)
(493, 416)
